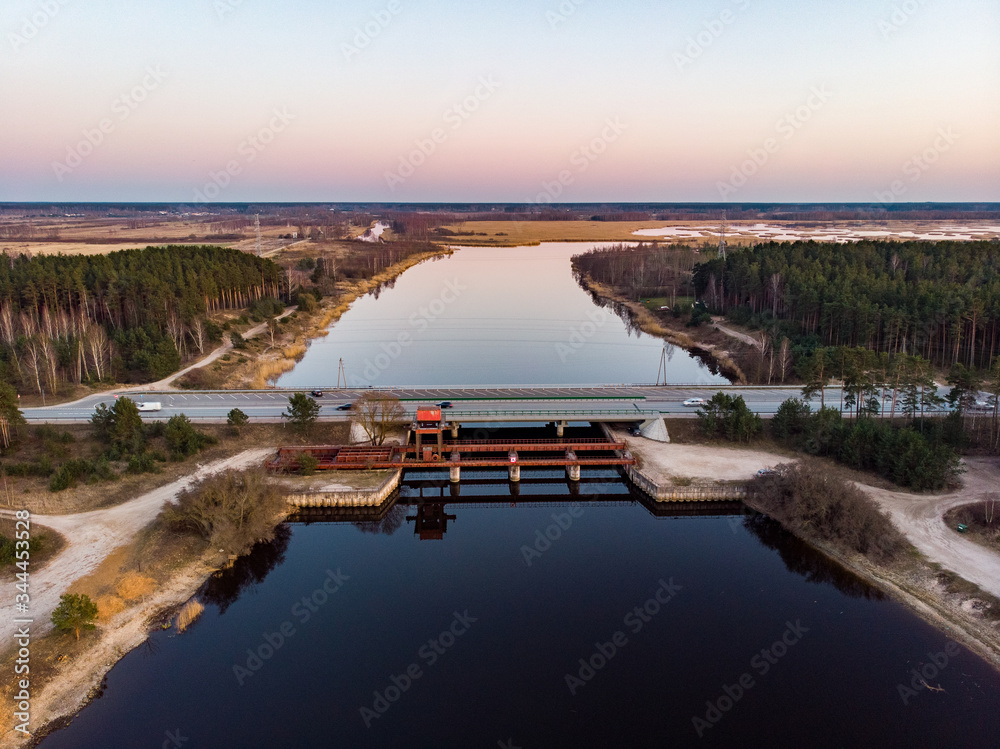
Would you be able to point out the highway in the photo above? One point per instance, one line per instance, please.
(471, 404)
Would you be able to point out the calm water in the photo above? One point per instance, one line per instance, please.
(488, 640)
(487, 316)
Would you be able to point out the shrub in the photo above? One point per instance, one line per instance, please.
(183, 440)
(730, 418)
(70, 473)
(231, 510)
(145, 463)
(810, 503)
(307, 464)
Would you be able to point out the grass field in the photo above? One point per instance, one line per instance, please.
(501, 233)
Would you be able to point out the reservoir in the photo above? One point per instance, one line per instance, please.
(490, 316)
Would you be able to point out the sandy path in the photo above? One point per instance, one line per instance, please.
(717, 322)
(660, 461)
(91, 536)
(919, 517)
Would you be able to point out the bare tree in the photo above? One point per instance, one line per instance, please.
(378, 414)
(97, 340)
(197, 333)
(785, 358)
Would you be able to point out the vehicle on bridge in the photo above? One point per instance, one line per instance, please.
(150, 406)
(316, 393)
(692, 402)
(345, 406)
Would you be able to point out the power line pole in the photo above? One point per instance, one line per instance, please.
(661, 371)
(722, 238)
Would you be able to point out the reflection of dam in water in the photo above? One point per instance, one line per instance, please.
(431, 504)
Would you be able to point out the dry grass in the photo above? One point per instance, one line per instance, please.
(134, 586)
(108, 607)
(265, 373)
(295, 351)
(188, 614)
(519, 233)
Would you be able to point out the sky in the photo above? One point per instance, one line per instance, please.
(513, 101)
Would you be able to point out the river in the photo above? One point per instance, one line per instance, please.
(490, 316)
(714, 630)
(559, 616)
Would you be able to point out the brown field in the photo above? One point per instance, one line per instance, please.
(510, 233)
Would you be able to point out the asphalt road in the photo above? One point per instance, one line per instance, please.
(610, 403)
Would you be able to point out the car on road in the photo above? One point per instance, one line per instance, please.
(635, 431)
(695, 402)
(345, 406)
(767, 472)
(149, 406)
(316, 393)
(444, 404)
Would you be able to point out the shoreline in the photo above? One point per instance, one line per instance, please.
(651, 325)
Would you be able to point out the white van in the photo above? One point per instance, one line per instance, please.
(150, 406)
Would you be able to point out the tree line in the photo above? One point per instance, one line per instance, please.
(127, 315)
(938, 300)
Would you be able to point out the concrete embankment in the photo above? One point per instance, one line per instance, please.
(338, 496)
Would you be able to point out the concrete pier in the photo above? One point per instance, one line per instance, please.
(455, 471)
(572, 471)
(514, 473)
(560, 428)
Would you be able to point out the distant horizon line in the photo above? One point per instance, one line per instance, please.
(542, 206)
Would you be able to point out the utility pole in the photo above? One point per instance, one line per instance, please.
(722, 238)
(661, 371)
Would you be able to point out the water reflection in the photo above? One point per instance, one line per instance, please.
(226, 586)
(802, 559)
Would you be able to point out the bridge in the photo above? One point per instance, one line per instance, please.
(470, 404)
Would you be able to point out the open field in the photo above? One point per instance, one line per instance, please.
(501, 233)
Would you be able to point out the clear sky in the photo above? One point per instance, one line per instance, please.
(465, 100)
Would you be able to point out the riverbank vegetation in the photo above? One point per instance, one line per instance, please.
(810, 503)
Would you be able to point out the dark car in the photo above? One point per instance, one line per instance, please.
(635, 431)
(345, 407)
(444, 404)
(316, 393)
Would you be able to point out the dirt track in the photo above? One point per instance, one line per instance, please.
(920, 518)
(91, 536)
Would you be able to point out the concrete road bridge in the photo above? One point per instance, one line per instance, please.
(469, 404)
